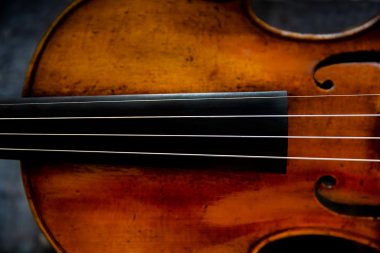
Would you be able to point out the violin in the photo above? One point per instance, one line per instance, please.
(193, 126)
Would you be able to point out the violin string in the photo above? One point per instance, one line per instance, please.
(194, 155)
(197, 136)
(191, 116)
(182, 99)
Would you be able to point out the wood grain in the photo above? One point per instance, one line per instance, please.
(104, 47)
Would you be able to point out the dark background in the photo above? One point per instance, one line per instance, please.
(22, 24)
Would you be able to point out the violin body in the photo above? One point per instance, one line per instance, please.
(114, 47)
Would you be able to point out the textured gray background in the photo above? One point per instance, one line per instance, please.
(22, 24)
(316, 16)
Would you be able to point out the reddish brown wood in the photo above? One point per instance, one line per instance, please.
(134, 47)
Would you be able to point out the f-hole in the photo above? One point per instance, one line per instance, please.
(349, 57)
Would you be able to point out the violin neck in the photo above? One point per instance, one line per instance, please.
(211, 126)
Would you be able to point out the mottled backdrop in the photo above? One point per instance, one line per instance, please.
(22, 24)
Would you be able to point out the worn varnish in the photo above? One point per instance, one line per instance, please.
(102, 47)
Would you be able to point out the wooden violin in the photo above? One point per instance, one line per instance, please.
(191, 126)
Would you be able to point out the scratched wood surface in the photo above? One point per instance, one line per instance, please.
(110, 47)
